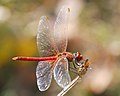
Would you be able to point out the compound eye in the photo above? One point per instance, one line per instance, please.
(79, 56)
(75, 55)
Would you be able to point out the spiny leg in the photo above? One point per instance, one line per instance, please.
(74, 70)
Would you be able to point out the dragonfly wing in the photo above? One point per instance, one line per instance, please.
(45, 43)
(61, 74)
(60, 29)
(44, 75)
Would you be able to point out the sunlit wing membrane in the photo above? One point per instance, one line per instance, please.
(44, 75)
(60, 29)
(45, 43)
(61, 74)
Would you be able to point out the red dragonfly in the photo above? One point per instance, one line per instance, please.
(53, 56)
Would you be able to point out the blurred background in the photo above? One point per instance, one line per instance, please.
(94, 30)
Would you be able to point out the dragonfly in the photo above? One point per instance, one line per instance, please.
(54, 60)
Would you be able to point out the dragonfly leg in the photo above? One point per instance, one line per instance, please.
(69, 67)
(74, 65)
(74, 71)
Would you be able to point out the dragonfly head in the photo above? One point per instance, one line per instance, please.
(81, 63)
(77, 56)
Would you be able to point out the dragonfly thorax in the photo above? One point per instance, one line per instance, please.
(68, 55)
(71, 57)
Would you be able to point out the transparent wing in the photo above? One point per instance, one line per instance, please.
(60, 29)
(45, 43)
(44, 75)
(61, 74)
